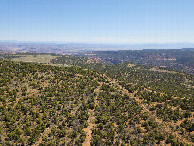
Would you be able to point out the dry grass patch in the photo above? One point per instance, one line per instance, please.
(46, 59)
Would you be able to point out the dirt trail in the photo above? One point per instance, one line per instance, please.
(45, 133)
(91, 119)
(88, 129)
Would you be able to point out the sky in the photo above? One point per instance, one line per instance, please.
(98, 21)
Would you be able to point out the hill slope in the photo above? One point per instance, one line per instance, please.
(50, 105)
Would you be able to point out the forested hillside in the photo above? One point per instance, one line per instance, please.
(90, 103)
(182, 59)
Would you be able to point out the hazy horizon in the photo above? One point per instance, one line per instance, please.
(90, 43)
(99, 46)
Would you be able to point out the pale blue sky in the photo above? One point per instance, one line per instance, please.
(98, 21)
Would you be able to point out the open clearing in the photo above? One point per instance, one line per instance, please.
(130, 65)
(159, 70)
(46, 59)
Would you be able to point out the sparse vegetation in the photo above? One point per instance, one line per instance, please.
(94, 103)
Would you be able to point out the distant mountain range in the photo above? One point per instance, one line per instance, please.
(54, 47)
